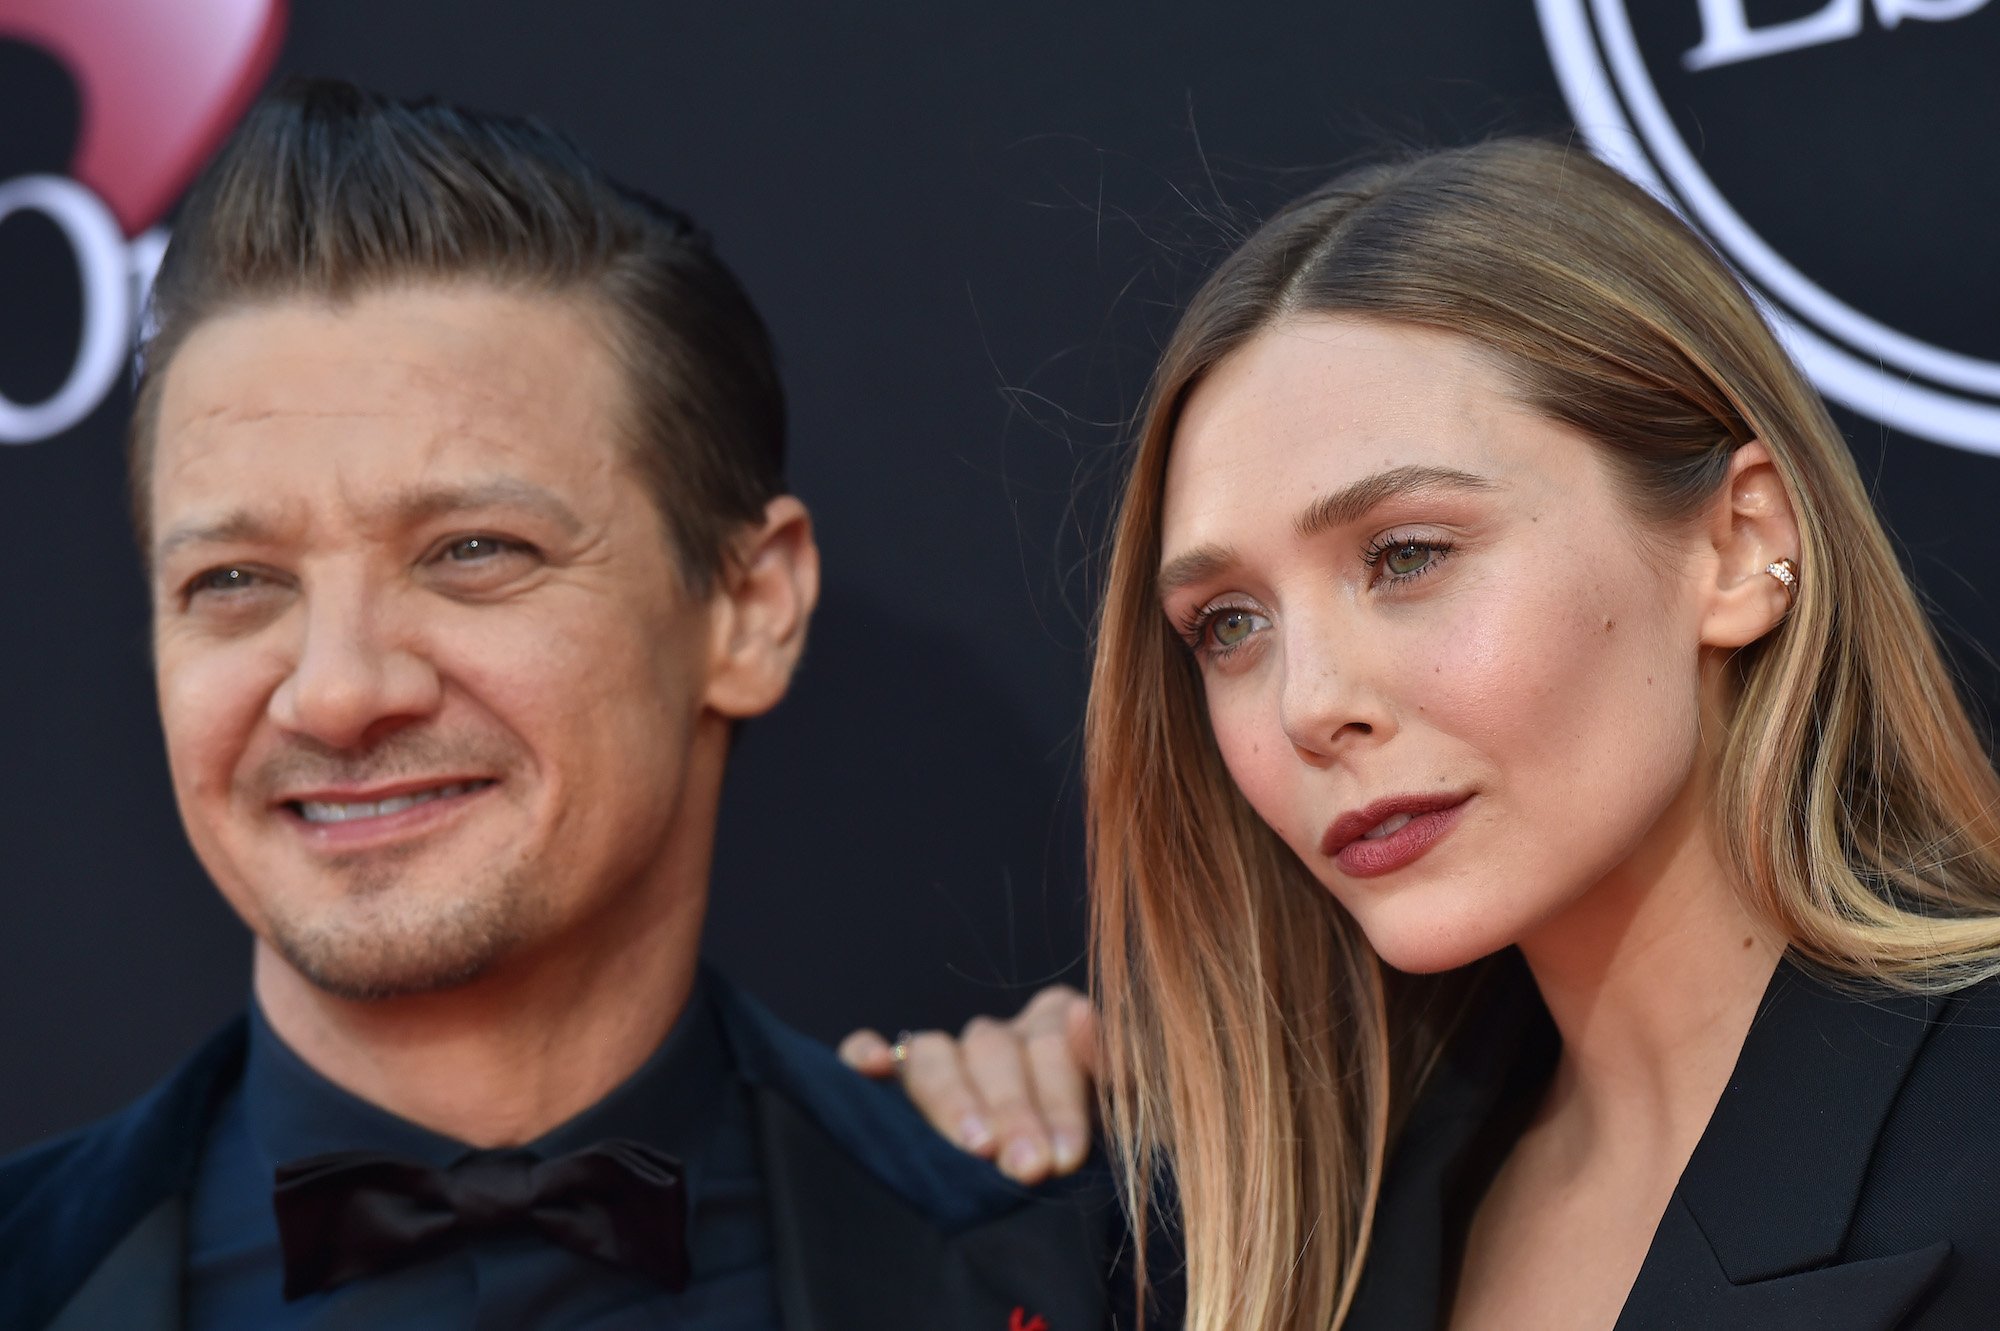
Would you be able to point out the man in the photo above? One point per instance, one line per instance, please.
(458, 471)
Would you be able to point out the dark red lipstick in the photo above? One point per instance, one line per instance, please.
(1360, 856)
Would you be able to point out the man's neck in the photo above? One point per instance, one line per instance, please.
(503, 1059)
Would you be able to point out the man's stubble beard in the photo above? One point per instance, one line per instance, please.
(380, 945)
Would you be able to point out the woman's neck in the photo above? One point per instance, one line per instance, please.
(1652, 979)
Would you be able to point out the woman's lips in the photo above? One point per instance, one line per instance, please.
(1428, 820)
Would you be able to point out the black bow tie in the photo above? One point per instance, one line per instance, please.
(353, 1213)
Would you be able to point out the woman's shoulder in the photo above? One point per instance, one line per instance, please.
(1956, 1073)
(1933, 1173)
(1941, 1048)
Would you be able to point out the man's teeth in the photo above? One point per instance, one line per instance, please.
(1389, 826)
(314, 811)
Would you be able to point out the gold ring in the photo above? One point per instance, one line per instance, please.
(899, 1052)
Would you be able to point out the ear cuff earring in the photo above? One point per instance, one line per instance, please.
(1785, 571)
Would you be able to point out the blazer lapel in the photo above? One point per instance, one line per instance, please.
(851, 1255)
(1474, 1105)
(1683, 1284)
(137, 1287)
(1755, 1228)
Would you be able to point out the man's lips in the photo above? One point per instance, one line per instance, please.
(1390, 833)
(325, 806)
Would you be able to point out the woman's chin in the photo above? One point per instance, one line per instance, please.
(1431, 946)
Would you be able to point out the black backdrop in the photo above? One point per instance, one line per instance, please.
(968, 226)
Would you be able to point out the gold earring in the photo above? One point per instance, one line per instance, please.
(1785, 571)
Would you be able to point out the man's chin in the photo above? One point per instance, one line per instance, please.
(372, 951)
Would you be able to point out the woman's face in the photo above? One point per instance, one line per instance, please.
(1438, 660)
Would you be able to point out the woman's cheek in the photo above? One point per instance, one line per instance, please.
(1254, 750)
(1515, 667)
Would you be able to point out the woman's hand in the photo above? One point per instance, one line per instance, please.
(1015, 1092)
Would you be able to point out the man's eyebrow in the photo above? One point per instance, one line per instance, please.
(1343, 506)
(405, 508)
(1351, 502)
(239, 525)
(420, 503)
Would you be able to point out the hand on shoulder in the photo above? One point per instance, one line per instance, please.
(1017, 1092)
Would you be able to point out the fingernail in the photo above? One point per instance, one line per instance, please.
(1070, 1149)
(1022, 1158)
(972, 1131)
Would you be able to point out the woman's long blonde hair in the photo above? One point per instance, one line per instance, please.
(1257, 1053)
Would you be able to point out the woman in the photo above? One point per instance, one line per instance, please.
(1505, 692)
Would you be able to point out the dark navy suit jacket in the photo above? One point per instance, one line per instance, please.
(1849, 1179)
(878, 1224)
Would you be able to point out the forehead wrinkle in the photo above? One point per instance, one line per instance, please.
(1352, 502)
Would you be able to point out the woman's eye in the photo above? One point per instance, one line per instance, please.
(1230, 627)
(1408, 558)
(1399, 560)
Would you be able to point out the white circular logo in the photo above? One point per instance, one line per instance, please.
(1904, 381)
(116, 275)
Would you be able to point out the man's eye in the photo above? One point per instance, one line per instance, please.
(221, 580)
(470, 549)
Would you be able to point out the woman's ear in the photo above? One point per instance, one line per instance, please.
(1750, 526)
(767, 591)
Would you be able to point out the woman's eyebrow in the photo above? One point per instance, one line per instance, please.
(1345, 505)
(1351, 502)
(1204, 561)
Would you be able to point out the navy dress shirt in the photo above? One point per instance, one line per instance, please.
(686, 1100)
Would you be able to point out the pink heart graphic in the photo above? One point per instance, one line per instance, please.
(162, 82)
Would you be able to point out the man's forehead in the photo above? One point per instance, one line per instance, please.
(469, 354)
(300, 400)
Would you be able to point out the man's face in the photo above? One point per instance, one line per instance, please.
(428, 674)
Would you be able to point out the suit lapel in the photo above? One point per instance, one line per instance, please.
(852, 1255)
(109, 1201)
(137, 1287)
(1762, 1210)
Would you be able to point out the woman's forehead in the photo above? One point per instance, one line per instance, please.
(1318, 404)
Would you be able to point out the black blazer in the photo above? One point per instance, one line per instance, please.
(878, 1223)
(1849, 1179)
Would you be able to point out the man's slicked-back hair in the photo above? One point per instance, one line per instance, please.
(327, 192)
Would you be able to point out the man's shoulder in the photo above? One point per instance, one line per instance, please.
(65, 1201)
(873, 1123)
(873, 1210)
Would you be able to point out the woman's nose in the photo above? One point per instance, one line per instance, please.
(1328, 700)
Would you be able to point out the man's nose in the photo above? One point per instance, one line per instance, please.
(358, 672)
(1328, 700)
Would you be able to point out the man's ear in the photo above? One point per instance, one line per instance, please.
(766, 592)
(1750, 526)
